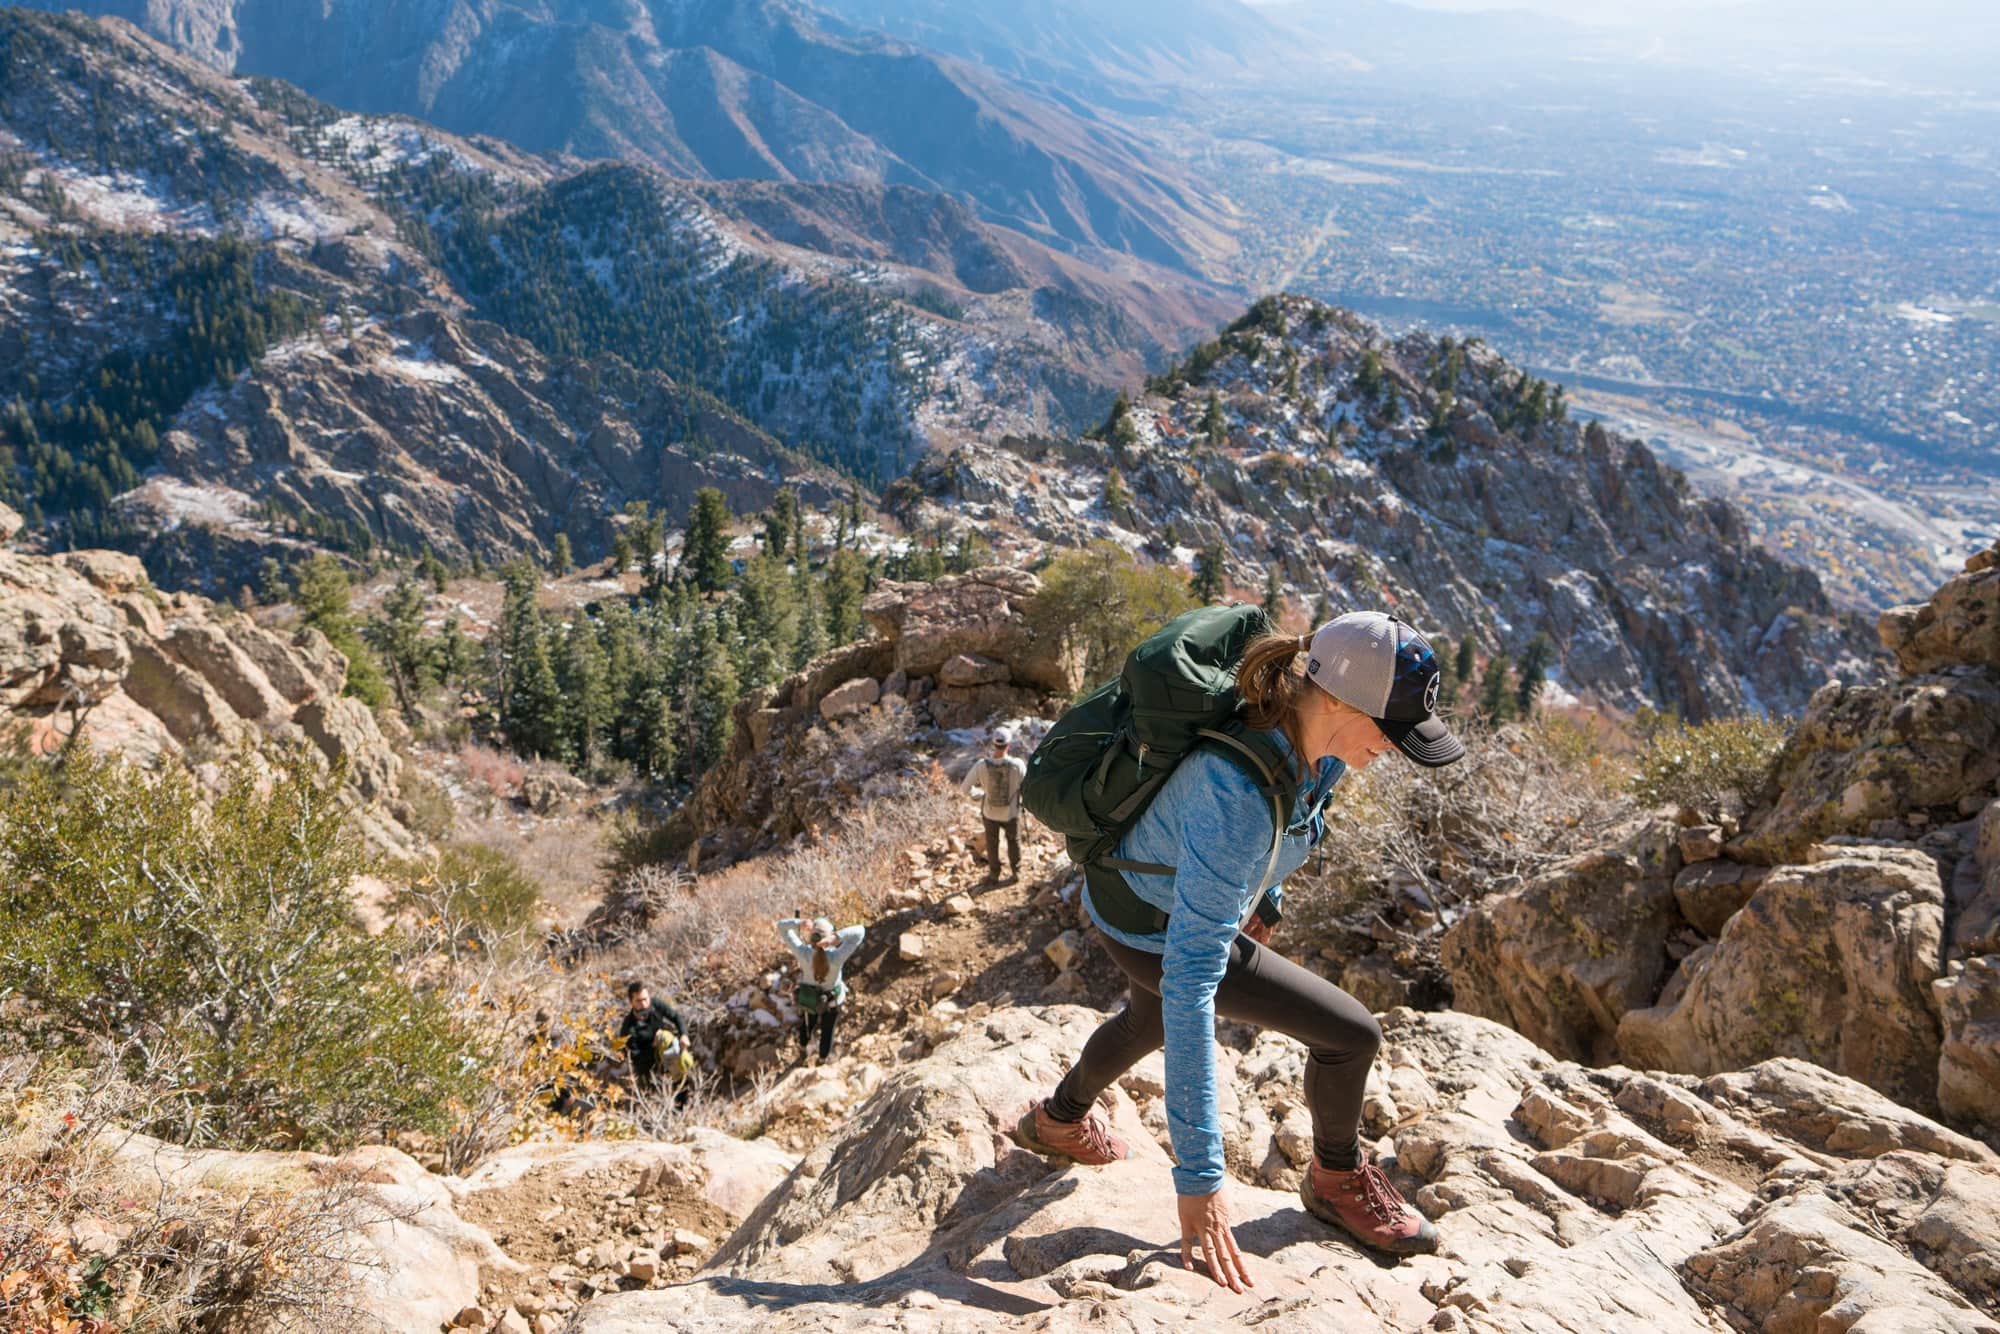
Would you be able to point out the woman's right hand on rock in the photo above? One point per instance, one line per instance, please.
(1206, 1219)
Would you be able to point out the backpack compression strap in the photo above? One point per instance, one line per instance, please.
(1125, 909)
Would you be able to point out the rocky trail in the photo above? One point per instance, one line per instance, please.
(1568, 1198)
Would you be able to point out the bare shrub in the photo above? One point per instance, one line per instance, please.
(497, 771)
(673, 928)
(1520, 801)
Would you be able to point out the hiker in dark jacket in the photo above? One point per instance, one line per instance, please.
(646, 1021)
(1370, 685)
(822, 953)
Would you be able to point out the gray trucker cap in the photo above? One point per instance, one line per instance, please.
(1387, 670)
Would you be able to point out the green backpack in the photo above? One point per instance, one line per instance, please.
(1105, 759)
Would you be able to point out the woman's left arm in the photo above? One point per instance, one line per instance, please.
(1225, 831)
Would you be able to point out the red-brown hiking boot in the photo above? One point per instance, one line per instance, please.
(1089, 1141)
(1368, 1207)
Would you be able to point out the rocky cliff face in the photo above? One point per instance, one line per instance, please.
(1854, 921)
(1434, 479)
(955, 653)
(90, 651)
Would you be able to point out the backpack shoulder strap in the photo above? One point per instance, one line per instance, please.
(1257, 757)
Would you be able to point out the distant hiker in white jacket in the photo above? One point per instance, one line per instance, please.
(822, 991)
(996, 780)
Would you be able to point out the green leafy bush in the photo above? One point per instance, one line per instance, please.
(223, 933)
(1708, 766)
(1102, 601)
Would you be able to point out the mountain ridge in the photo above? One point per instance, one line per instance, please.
(783, 98)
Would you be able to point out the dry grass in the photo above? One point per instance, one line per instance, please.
(673, 928)
(93, 1241)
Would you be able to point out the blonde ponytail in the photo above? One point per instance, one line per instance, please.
(1271, 684)
(821, 966)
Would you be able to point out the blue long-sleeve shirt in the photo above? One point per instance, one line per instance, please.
(1213, 826)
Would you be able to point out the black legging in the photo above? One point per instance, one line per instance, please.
(825, 1017)
(1261, 987)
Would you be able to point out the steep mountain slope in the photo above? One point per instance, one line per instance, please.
(722, 89)
(267, 301)
(1132, 53)
(1431, 477)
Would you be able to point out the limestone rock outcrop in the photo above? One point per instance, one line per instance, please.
(1960, 625)
(1563, 958)
(87, 643)
(1568, 1200)
(953, 653)
(1831, 961)
(1854, 920)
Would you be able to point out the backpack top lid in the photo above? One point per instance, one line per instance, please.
(1182, 677)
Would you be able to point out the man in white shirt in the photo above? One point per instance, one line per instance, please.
(996, 780)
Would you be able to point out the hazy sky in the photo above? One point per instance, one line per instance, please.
(1937, 14)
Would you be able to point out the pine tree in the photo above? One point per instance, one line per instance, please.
(660, 729)
(1117, 496)
(811, 640)
(323, 595)
(705, 556)
(1462, 668)
(1213, 425)
(780, 520)
(398, 635)
(271, 582)
(1368, 379)
(1322, 611)
(712, 694)
(560, 565)
(1534, 673)
(453, 655)
(587, 697)
(1274, 594)
(1206, 586)
(846, 585)
(530, 699)
(1496, 699)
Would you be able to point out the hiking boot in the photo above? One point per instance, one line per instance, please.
(1088, 1142)
(1368, 1208)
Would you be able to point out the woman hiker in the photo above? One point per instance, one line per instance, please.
(1369, 684)
(821, 988)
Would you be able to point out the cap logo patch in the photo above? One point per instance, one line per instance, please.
(1431, 694)
(1312, 667)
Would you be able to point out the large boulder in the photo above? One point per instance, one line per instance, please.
(1959, 626)
(1968, 1075)
(410, 1262)
(1831, 962)
(732, 1174)
(982, 614)
(1928, 744)
(1565, 956)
